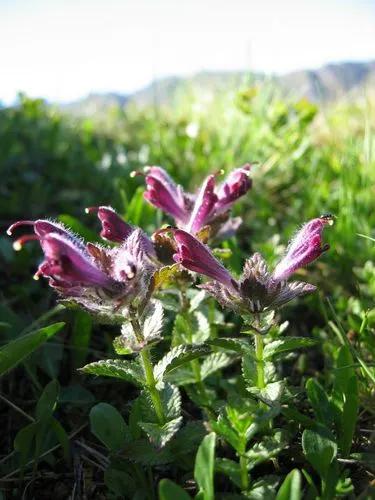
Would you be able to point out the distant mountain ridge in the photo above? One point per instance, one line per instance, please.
(327, 83)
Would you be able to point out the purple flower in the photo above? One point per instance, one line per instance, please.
(237, 184)
(197, 257)
(114, 228)
(257, 289)
(192, 212)
(69, 266)
(98, 278)
(204, 206)
(305, 247)
(163, 193)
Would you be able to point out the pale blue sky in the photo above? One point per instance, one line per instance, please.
(64, 49)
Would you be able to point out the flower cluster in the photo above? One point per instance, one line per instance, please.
(258, 289)
(101, 279)
(105, 279)
(209, 207)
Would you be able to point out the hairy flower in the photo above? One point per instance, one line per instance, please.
(305, 247)
(114, 228)
(210, 206)
(197, 257)
(99, 278)
(257, 289)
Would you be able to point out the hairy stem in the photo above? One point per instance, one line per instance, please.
(259, 361)
(195, 365)
(151, 385)
(148, 369)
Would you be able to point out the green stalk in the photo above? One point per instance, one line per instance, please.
(261, 384)
(244, 473)
(149, 372)
(151, 384)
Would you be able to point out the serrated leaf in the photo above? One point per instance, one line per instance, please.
(17, 350)
(165, 276)
(319, 448)
(143, 452)
(158, 434)
(177, 357)
(269, 447)
(281, 346)
(130, 371)
(202, 332)
(153, 320)
(121, 347)
(168, 490)
(214, 362)
(196, 301)
(291, 487)
(171, 401)
(204, 468)
(108, 425)
(237, 345)
(271, 394)
(223, 428)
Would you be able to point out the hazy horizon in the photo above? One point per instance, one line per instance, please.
(63, 51)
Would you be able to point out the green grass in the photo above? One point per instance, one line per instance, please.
(307, 161)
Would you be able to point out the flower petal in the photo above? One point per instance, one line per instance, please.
(114, 228)
(235, 185)
(305, 247)
(197, 257)
(204, 206)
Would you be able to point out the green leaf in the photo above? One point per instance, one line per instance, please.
(204, 468)
(287, 344)
(80, 338)
(23, 442)
(224, 429)
(145, 453)
(168, 490)
(237, 345)
(229, 468)
(62, 437)
(171, 401)
(130, 371)
(152, 320)
(214, 362)
(320, 449)
(16, 351)
(108, 426)
(177, 357)
(291, 487)
(349, 416)
(320, 402)
(47, 401)
(269, 447)
(160, 434)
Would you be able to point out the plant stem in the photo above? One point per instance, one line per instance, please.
(149, 372)
(244, 473)
(151, 384)
(259, 361)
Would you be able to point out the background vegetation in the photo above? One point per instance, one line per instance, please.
(307, 161)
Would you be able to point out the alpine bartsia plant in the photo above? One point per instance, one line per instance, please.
(258, 289)
(209, 207)
(126, 281)
(101, 279)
